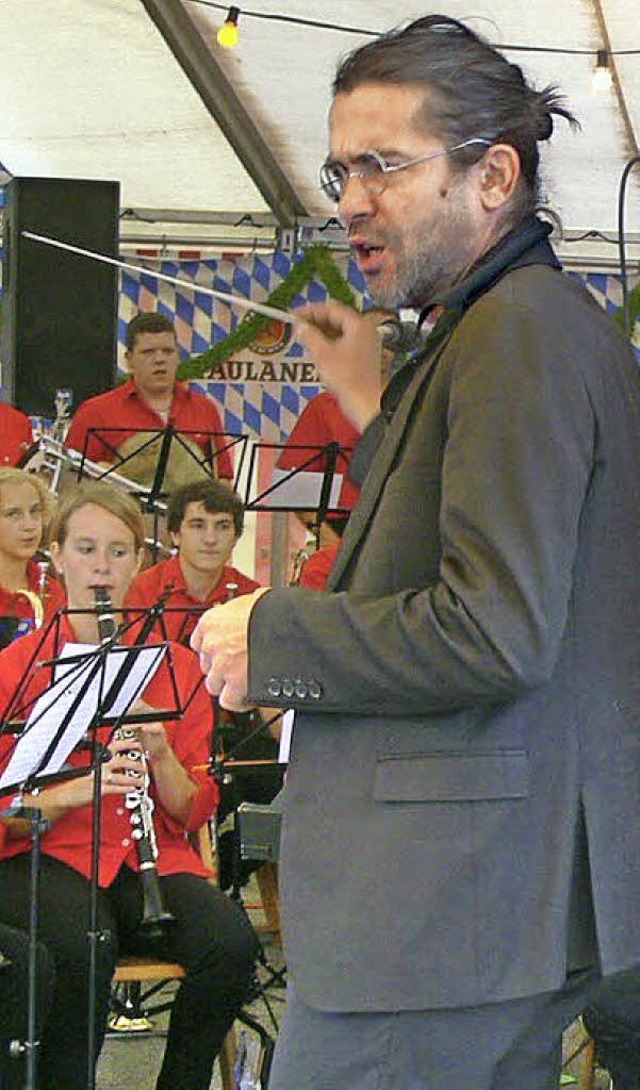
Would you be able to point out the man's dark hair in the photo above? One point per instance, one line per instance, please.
(471, 92)
(214, 496)
(147, 322)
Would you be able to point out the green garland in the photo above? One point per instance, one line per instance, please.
(317, 263)
(634, 311)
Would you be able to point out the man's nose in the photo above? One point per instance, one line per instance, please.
(355, 201)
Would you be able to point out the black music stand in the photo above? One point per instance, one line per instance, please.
(158, 446)
(90, 694)
(159, 442)
(314, 483)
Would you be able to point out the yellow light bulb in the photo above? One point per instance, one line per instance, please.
(228, 36)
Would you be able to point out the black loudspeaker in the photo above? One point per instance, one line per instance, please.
(59, 308)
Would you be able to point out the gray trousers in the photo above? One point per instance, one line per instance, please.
(499, 1046)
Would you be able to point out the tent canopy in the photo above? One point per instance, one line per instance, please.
(221, 148)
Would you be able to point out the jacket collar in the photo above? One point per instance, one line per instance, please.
(526, 244)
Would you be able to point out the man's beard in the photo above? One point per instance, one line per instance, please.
(432, 257)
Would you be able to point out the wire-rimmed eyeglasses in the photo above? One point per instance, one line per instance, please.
(371, 169)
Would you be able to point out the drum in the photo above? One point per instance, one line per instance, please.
(140, 454)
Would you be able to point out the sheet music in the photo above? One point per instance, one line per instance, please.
(302, 490)
(57, 702)
(288, 720)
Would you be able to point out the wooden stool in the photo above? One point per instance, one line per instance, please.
(586, 1049)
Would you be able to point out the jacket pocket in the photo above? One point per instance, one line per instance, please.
(452, 777)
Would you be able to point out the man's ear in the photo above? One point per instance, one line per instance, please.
(175, 538)
(500, 172)
(126, 361)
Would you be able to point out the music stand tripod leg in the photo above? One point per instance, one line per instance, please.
(30, 1046)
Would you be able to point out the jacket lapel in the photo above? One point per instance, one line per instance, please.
(383, 461)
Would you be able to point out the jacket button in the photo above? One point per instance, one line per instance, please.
(288, 687)
(302, 689)
(315, 689)
(274, 687)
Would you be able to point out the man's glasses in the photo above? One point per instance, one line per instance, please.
(371, 169)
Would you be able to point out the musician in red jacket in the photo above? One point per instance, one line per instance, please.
(148, 401)
(16, 435)
(205, 520)
(97, 542)
(29, 595)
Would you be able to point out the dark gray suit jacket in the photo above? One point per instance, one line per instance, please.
(470, 688)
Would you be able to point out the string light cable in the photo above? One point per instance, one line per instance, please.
(345, 28)
(602, 71)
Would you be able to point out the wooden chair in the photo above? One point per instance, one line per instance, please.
(586, 1051)
(134, 972)
(267, 880)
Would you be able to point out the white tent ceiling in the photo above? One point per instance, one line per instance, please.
(200, 137)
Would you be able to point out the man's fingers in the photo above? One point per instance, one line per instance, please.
(206, 661)
(196, 639)
(233, 699)
(215, 674)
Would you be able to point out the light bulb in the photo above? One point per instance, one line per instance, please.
(602, 78)
(229, 35)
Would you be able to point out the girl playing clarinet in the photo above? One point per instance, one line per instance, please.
(97, 546)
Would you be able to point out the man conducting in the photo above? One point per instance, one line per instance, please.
(466, 690)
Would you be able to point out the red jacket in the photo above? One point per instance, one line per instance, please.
(17, 604)
(182, 609)
(315, 570)
(16, 435)
(320, 423)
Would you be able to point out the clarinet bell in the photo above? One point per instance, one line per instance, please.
(156, 921)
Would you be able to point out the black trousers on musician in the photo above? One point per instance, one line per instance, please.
(14, 987)
(211, 938)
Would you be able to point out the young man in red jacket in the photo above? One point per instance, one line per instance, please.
(205, 520)
(149, 401)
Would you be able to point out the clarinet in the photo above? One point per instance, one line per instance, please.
(156, 920)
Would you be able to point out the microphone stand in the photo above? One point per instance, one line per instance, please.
(331, 451)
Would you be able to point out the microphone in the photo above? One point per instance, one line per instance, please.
(397, 336)
(390, 334)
